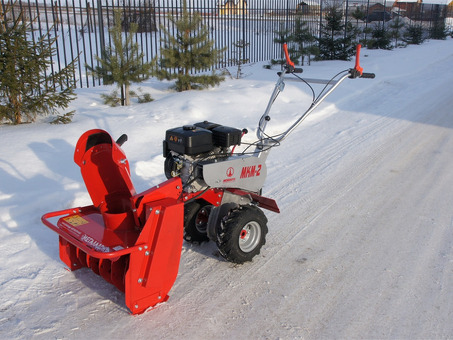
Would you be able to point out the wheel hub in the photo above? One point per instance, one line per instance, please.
(201, 220)
(249, 237)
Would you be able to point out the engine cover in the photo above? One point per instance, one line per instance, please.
(223, 136)
(200, 138)
(188, 140)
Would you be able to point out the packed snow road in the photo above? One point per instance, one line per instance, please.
(362, 248)
(374, 243)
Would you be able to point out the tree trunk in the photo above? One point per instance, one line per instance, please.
(127, 95)
(122, 95)
(188, 85)
(17, 118)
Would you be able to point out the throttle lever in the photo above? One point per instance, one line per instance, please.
(289, 63)
(288, 59)
(357, 71)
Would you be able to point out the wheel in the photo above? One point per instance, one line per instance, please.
(242, 233)
(196, 216)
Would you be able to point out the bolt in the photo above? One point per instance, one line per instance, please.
(140, 280)
(159, 297)
(146, 247)
(136, 306)
(157, 212)
(146, 253)
(140, 248)
(220, 195)
(217, 203)
(178, 187)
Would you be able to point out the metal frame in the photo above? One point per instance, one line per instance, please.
(266, 141)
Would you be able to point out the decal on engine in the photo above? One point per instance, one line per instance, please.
(175, 139)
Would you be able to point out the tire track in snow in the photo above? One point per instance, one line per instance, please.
(417, 144)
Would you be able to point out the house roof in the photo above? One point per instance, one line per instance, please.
(434, 2)
(235, 2)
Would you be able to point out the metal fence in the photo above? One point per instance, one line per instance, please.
(82, 26)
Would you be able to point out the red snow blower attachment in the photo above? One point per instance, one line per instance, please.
(134, 240)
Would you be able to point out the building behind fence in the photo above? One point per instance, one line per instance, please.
(82, 26)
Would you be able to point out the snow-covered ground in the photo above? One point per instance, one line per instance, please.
(362, 248)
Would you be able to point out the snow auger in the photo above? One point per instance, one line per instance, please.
(134, 240)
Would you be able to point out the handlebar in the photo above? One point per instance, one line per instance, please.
(290, 64)
(331, 85)
(368, 75)
(123, 138)
(357, 71)
(288, 59)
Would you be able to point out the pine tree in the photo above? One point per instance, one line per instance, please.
(336, 41)
(358, 14)
(414, 35)
(285, 36)
(438, 30)
(27, 87)
(303, 37)
(240, 59)
(380, 38)
(395, 29)
(188, 51)
(122, 63)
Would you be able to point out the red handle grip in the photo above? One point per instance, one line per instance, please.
(357, 60)
(288, 59)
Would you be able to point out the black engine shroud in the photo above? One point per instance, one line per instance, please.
(200, 138)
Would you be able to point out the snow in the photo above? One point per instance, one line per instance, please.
(362, 248)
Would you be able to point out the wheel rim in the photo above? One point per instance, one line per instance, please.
(250, 236)
(201, 221)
